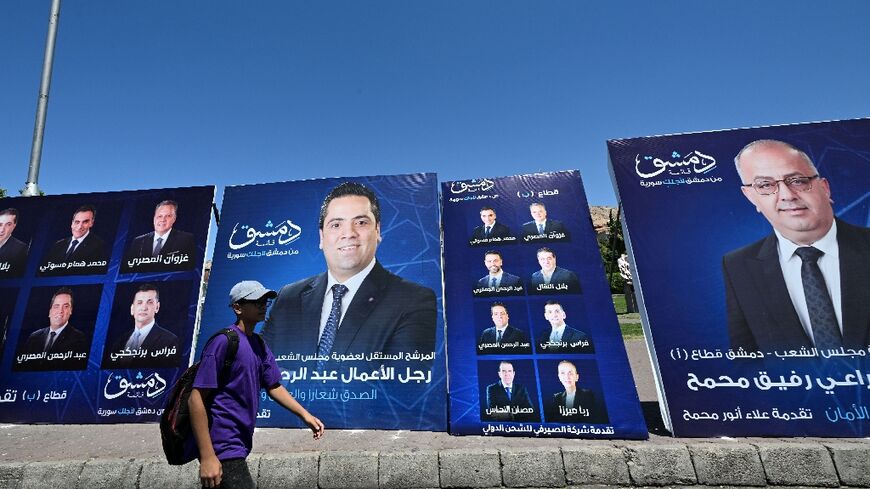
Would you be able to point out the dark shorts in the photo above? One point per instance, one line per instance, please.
(236, 474)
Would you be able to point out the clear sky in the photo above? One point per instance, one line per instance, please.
(165, 93)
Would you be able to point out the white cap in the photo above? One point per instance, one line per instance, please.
(250, 290)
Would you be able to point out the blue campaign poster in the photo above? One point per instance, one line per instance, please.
(98, 301)
(751, 336)
(535, 348)
(380, 238)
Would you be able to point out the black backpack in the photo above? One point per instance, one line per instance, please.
(175, 427)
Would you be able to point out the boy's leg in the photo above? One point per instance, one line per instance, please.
(236, 474)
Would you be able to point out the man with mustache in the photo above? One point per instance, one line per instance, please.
(804, 285)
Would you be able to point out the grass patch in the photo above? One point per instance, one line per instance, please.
(631, 331)
(619, 303)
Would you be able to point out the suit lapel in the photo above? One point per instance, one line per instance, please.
(312, 302)
(365, 300)
(774, 294)
(152, 338)
(854, 277)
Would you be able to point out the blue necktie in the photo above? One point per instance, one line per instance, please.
(158, 247)
(50, 343)
(492, 281)
(540, 229)
(498, 337)
(71, 250)
(488, 231)
(508, 390)
(324, 348)
(826, 331)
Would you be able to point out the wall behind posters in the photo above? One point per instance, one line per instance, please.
(683, 211)
(386, 369)
(606, 403)
(89, 372)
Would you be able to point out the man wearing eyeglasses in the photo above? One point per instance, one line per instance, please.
(805, 285)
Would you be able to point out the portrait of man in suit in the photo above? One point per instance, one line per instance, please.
(81, 253)
(165, 248)
(573, 404)
(507, 400)
(559, 337)
(58, 346)
(489, 229)
(805, 284)
(146, 345)
(542, 229)
(502, 337)
(13, 251)
(551, 279)
(497, 281)
(356, 306)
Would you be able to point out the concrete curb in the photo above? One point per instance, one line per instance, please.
(808, 463)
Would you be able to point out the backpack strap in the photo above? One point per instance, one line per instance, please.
(232, 349)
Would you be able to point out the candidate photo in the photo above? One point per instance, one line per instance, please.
(559, 337)
(355, 306)
(13, 251)
(497, 281)
(502, 337)
(540, 228)
(63, 344)
(8, 296)
(490, 229)
(164, 248)
(80, 253)
(506, 399)
(805, 284)
(144, 343)
(572, 404)
(552, 279)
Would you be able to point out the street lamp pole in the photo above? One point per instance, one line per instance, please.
(31, 188)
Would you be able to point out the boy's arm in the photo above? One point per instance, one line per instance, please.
(210, 471)
(282, 397)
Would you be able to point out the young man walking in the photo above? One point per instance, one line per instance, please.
(231, 403)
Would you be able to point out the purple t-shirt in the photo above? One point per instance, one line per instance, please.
(233, 411)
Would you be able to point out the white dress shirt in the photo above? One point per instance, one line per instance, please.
(353, 284)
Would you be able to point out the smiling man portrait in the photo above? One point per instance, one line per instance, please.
(805, 284)
(356, 306)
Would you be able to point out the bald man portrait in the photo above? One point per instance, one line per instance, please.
(805, 284)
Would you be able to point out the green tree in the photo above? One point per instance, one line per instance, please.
(611, 246)
(2, 193)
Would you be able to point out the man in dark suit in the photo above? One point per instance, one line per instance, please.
(356, 306)
(166, 249)
(502, 337)
(542, 229)
(490, 228)
(147, 345)
(806, 284)
(573, 405)
(551, 279)
(13, 252)
(506, 400)
(561, 338)
(497, 281)
(58, 346)
(65, 255)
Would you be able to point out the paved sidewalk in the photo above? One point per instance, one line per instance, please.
(111, 456)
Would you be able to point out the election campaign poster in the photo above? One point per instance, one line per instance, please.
(752, 256)
(357, 327)
(98, 301)
(535, 348)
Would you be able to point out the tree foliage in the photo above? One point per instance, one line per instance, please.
(612, 245)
